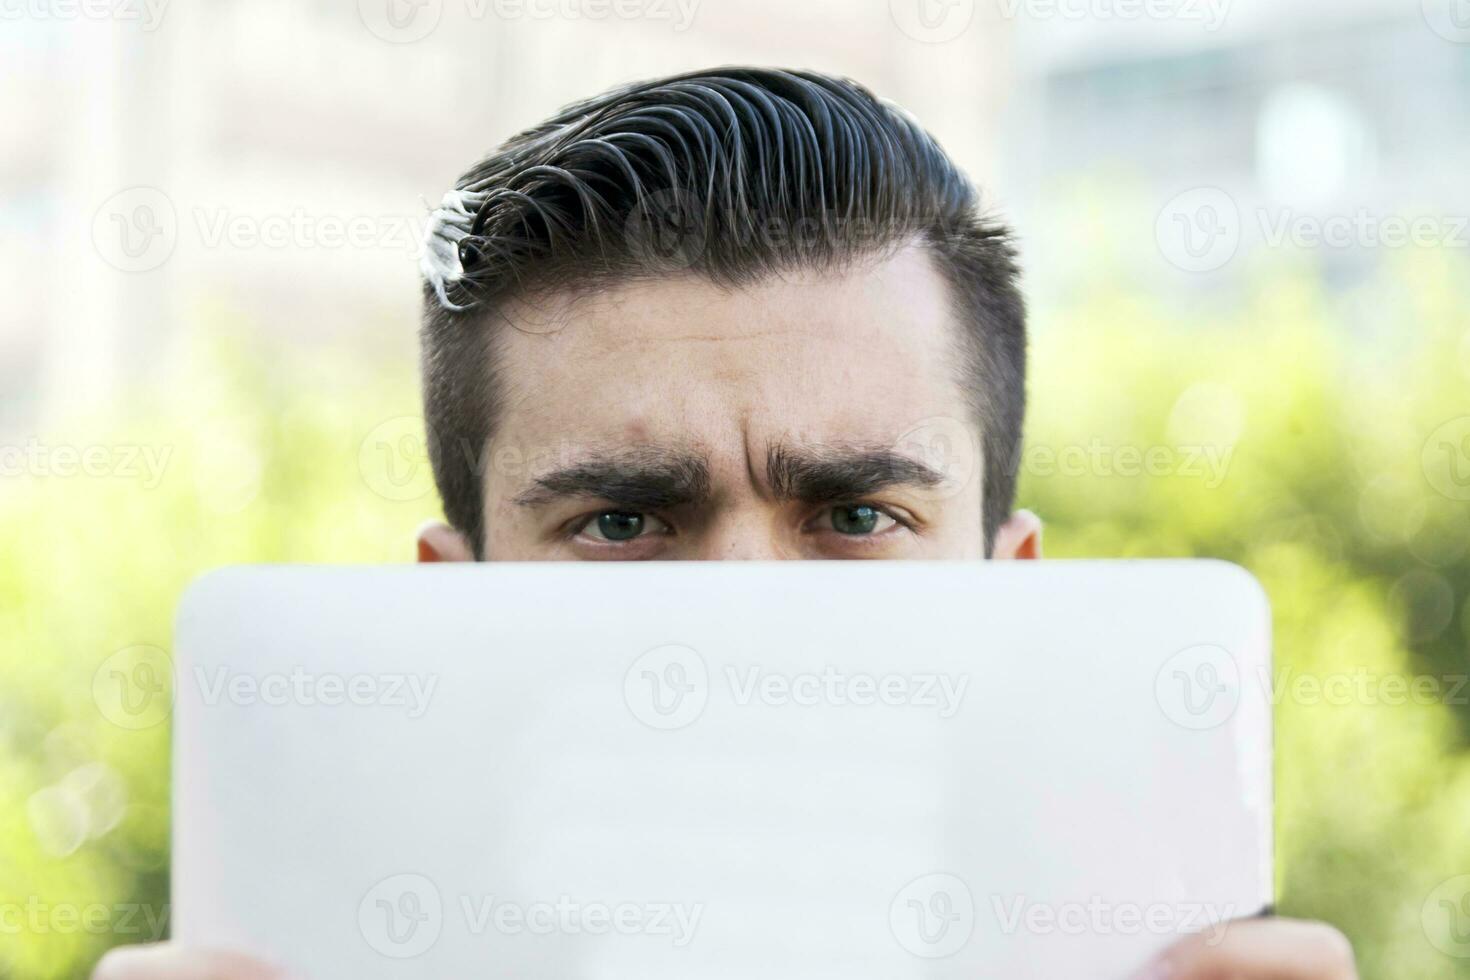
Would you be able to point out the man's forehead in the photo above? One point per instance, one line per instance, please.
(816, 357)
(675, 390)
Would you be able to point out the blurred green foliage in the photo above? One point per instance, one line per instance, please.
(1283, 440)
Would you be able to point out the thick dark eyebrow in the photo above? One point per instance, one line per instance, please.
(642, 478)
(831, 474)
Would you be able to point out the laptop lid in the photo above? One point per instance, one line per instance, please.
(709, 770)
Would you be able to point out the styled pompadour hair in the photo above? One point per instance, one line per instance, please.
(731, 174)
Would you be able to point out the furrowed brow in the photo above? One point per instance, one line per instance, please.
(647, 478)
(821, 474)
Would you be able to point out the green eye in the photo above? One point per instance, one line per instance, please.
(859, 519)
(619, 527)
(616, 525)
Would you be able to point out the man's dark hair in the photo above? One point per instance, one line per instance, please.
(731, 174)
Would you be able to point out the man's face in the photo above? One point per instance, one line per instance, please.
(810, 416)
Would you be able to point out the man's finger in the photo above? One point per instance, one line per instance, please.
(166, 961)
(1268, 949)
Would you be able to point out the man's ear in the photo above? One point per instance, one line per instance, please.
(1018, 537)
(438, 541)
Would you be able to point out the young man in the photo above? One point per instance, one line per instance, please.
(735, 314)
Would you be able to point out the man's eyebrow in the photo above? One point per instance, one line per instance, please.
(642, 478)
(820, 474)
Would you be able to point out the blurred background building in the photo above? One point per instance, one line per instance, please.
(248, 117)
(271, 129)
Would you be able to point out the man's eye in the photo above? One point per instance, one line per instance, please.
(860, 519)
(621, 525)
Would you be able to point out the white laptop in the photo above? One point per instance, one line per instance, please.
(718, 770)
